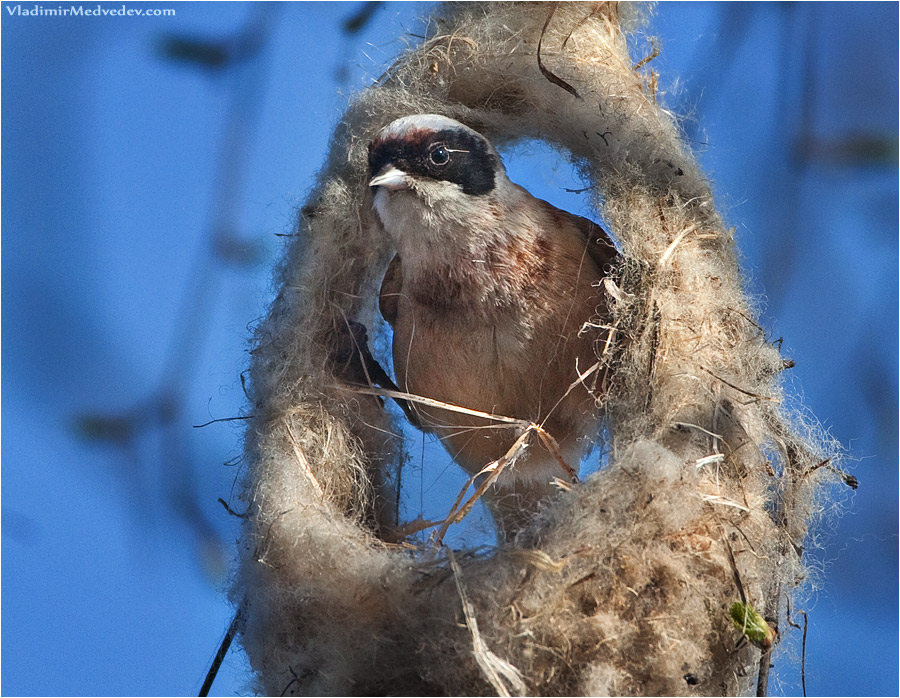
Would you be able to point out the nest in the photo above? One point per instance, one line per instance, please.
(624, 585)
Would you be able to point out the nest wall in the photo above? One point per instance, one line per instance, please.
(622, 586)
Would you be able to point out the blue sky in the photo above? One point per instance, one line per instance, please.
(142, 199)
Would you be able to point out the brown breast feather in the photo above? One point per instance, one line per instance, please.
(457, 367)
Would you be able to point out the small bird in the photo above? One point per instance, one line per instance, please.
(487, 297)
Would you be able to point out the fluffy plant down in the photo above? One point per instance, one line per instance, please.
(623, 585)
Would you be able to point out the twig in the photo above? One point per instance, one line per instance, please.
(222, 419)
(734, 570)
(740, 390)
(848, 479)
(555, 79)
(494, 470)
(236, 625)
(724, 501)
(546, 439)
(303, 462)
(552, 445)
(401, 531)
(803, 651)
(765, 664)
(497, 671)
(803, 654)
(671, 248)
(706, 460)
(578, 381)
(765, 660)
(398, 395)
(232, 511)
(654, 52)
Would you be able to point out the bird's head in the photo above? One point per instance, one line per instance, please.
(430, 172)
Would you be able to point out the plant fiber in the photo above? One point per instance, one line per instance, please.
(622, 586)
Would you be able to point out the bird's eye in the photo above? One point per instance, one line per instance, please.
(439, 155)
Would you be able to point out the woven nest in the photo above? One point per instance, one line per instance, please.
(626, 583)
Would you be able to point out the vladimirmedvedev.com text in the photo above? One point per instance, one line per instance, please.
(82, 11)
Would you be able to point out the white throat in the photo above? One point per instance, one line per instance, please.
(436, 223)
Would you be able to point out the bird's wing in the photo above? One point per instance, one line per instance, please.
(598, 244)
(391, 287)
(600, 247)
(388, 299)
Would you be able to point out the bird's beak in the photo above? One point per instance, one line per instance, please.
(391, 179)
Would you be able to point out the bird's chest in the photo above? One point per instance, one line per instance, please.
(497, 347)
(469, 364)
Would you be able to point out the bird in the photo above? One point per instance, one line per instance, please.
(487, 296)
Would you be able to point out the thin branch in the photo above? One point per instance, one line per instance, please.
(555, 79)
(740, 390)
(398, 395)
(236, 625)
(222, 419)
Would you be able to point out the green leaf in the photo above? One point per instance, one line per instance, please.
(752, 624)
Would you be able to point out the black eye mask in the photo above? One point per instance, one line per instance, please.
(449, 155)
